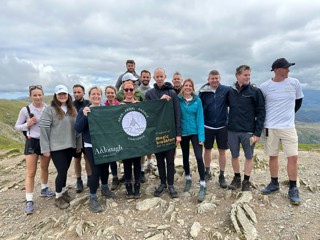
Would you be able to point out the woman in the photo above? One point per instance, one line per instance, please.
(28, 120)
(129, 91)
(192, 125)
(99, 171)
(58, 138)
(110, 92)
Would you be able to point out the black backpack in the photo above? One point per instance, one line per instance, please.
(30, 116)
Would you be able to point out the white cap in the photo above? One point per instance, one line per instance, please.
(129, 76)
(60, 89)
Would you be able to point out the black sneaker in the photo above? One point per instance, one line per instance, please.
(129, 191)
(94, 205)
(236, 183)
(143, 178)
(105, 191)
(172, 192)
(245, 185)
(79, 186)
(207, 176)
(160, 190)
(222, 182)
(137, 193)
(272, 187)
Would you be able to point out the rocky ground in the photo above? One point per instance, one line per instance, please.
(262, 217)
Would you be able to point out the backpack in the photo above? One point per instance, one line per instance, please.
(30, 116)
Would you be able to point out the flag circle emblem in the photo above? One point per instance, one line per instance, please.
(134, 123)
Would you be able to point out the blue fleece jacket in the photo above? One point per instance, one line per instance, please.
(192, 117)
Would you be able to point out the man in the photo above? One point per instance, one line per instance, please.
(139, 95)
(177, 82)
(130, 64)
(246, 118)
(80, 102)
(283, 96)
(214, 100)
(145, 77)
(164, 90)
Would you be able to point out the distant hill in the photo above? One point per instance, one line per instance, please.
(310, 110)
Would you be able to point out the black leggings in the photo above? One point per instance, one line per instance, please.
(114, 168)
(99, 171)
(197, 148)
(161, 164)
(61, 160)
(127, 165)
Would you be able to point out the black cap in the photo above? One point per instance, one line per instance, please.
(281, 63)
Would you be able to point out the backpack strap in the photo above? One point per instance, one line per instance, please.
(28, 109)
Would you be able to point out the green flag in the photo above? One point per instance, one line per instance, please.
(131, 130)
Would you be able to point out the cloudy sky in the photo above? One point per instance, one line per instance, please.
(78, 41)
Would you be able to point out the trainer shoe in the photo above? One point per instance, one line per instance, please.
(61, 203)
(236, 183)
(245, 185)
(188, 184)
(294, 196)
(29, 208)
(207, 176)
(160, 190)
(172, 192)
(105, 191)
(46, 192)
(222, 182)
(270, 188)
(79, 186)
(142, 177)
(94, 205)
(66, 197)
(202, 193)
(115, 183)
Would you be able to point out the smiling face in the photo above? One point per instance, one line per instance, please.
(36, 96)
(128, 90)
(95, 96)
(187, 88)
(159, 76)
(243, 78)
(214, 81)
(177, 81)
(145, 78)
(110, 94)
(130, 67)
(62, 98)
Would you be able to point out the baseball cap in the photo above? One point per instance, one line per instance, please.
(129, 76)
(281, 63)
(60, 89)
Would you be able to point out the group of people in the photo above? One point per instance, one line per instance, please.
(229, 115)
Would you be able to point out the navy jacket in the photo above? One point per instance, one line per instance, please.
(82, 126)
(214, 105)
(247, 110)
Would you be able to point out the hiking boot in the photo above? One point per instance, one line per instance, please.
(143, 178)
(61, 203)
(270, 188)
(188, 184)
(115, 183)
(105, 191)
(94, 205)
(236, 183)
(222, 182)
(66, 197)
(202, 193)
(79, 186)
(129, 191)
(293, 195)
(207, 176)
(245, 185)
(46, 192)
(122, 179)
(172, 192)
(29, 208)
(137, 193)
(160, 190)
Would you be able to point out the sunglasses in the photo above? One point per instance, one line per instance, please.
(32, 87)
(128, 89)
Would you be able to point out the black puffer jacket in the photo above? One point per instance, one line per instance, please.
(167, 88)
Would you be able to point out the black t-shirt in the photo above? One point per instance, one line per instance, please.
(80, 104)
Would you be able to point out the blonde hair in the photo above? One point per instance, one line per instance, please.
(184, 82)
(98, 88)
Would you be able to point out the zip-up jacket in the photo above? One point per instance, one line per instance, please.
(214, 105)
(192, 122)
(57, 134)
(82, 126)
(156, 93)
(247, 110)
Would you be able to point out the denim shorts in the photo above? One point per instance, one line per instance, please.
(32, 146)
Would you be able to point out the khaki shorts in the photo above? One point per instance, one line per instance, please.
(287, 137)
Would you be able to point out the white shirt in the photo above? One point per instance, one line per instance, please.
(280, 98)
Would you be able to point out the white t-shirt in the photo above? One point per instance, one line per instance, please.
(280, 98)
